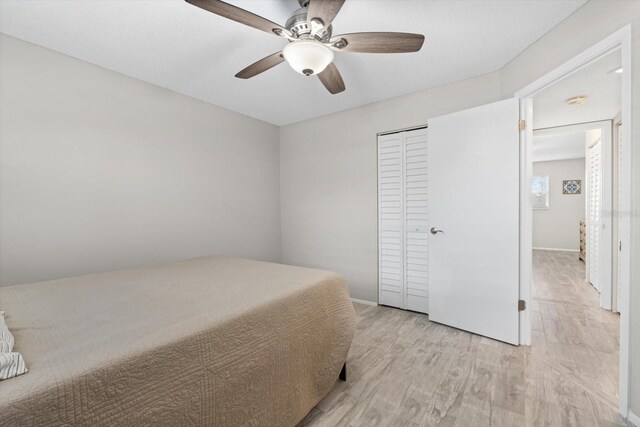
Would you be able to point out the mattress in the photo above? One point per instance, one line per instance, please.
(208, 341)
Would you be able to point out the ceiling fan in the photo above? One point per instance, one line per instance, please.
(309, 31)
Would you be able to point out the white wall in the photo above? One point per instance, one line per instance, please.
(328, 179)
(100, 171)
(558, 226)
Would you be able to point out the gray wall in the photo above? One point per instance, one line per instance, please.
(558, 226)
(328, 167)
(100, 171)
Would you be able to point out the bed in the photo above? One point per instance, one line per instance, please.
(208, 341)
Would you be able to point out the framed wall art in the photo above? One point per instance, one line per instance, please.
(572, 186)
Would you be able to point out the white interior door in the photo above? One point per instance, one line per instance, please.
(594, 205)
(473, 175)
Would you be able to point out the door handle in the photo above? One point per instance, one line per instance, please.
(436, 230)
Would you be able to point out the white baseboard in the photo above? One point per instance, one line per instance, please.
(633, 418)
(365, 302)
(555, 249)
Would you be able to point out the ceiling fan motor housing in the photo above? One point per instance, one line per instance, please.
(298, 25)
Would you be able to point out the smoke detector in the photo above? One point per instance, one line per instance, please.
(577, 100)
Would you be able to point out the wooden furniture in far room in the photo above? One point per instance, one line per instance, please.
(583, 241)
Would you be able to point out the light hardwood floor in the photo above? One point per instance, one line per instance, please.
(404, 370)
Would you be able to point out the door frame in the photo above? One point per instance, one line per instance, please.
(615, 146)
(621, 40)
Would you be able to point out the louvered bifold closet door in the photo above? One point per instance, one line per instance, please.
(595, 203)
(416, 254)
(390, 221)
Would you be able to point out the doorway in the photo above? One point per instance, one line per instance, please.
(608, 215)
(574, 329)
(572, 182)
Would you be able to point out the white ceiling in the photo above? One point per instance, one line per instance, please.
(190, 51)
(554, 139)
(596, 81)
(561, 145)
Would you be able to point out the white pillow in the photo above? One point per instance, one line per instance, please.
(11, 363)
(6, 339)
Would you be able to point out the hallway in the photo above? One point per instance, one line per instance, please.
(572, 335)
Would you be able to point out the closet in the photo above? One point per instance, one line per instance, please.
(402, 220)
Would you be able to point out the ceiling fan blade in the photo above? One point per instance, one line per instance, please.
(239, 15)
(378, 42)
(261, 66)
(324, 10)
(331, 79)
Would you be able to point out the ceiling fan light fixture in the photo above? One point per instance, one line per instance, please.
(308, 56)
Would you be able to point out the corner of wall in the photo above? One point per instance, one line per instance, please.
(280, 227)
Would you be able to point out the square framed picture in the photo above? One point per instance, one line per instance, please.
(572, 186)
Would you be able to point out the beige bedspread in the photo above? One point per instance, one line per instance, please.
(208, 341)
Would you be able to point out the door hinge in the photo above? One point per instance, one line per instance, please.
(522, 125)
(521, 305)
